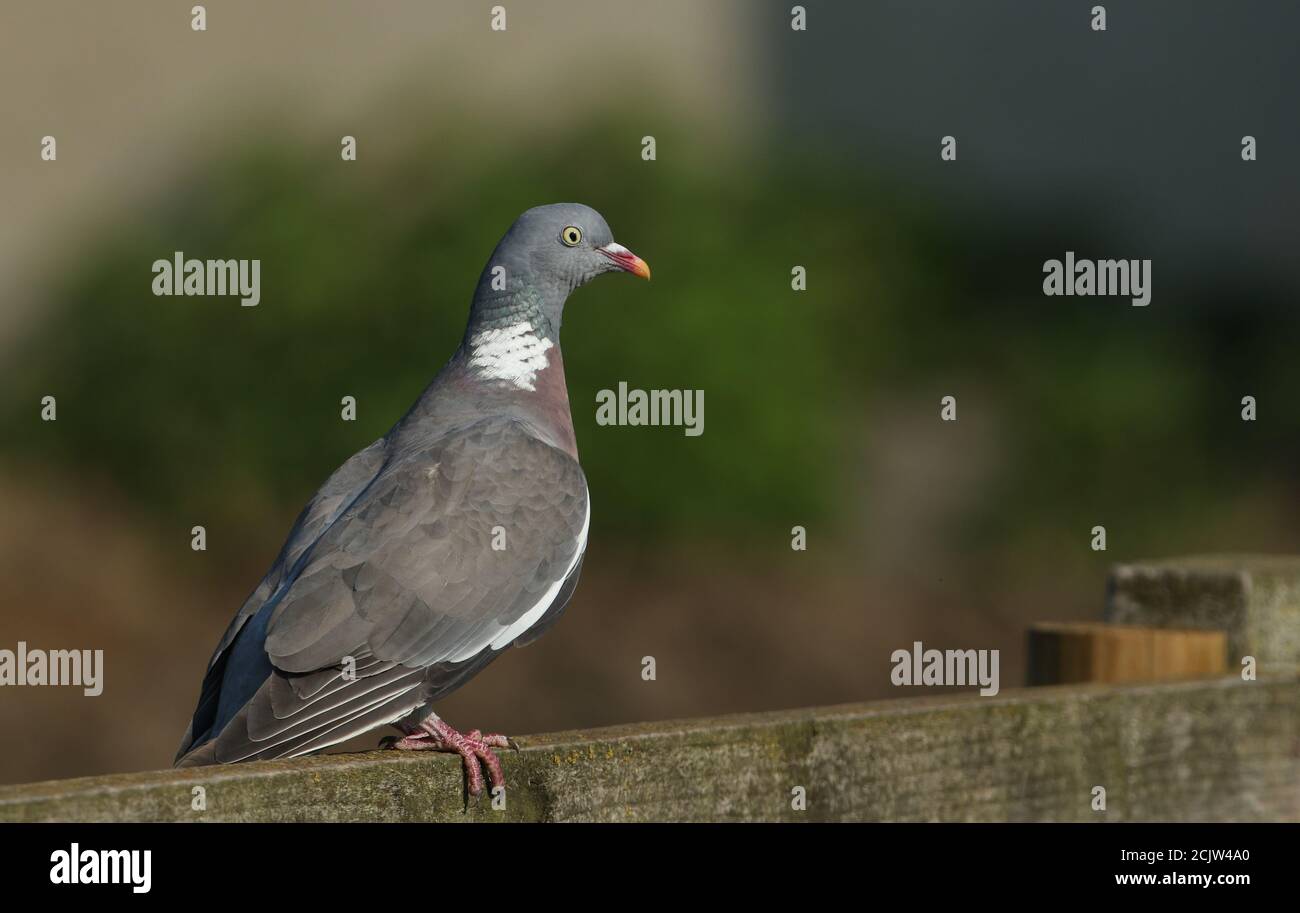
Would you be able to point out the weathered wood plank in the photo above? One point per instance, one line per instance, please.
(1254, 598)
(1215, 750)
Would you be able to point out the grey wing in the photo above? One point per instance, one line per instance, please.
(452, 554)
(335, 496)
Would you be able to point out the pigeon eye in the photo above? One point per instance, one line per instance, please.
(571, 236)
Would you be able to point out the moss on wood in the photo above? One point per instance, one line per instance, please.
(1211, 750)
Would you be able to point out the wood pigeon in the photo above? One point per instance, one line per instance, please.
(425, 555)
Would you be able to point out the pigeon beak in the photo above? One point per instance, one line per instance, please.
(625, 260)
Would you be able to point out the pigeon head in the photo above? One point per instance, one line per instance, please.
(568, 244)
(518, 306)
(551, 250)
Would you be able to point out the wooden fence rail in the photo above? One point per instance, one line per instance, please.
(1220, 749)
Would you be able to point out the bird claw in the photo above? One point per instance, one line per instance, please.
(474, 748)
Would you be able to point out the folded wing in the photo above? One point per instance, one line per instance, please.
(454, 551)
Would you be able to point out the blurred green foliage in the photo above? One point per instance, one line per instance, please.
(205, 411)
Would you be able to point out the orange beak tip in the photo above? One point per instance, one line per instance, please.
(625, 260)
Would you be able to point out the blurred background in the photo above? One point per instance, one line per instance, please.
(775, 148)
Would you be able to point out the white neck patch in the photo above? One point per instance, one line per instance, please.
(514, 354)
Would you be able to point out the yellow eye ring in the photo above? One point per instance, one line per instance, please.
(571, 236)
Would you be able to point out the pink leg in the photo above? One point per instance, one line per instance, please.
(432, 734)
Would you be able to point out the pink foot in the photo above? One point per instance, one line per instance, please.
(432, 734)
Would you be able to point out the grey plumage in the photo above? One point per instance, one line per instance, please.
(388, 593)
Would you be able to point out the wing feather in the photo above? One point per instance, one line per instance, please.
(453, 551)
